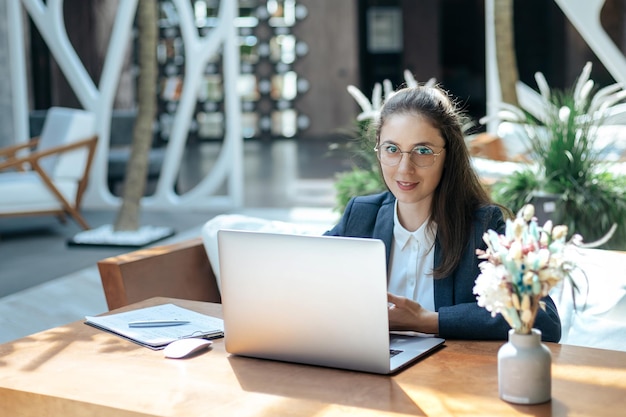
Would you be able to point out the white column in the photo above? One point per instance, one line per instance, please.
(13, 91)
(494, 94)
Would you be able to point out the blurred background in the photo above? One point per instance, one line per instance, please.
(296, 59)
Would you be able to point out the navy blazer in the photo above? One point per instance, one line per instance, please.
(460, 317)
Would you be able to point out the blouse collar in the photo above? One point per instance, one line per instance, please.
(424, 235)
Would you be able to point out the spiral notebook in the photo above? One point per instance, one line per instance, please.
(200, 325)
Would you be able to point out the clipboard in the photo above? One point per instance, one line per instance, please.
(156, 338)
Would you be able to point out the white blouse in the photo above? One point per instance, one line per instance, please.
(411, 264)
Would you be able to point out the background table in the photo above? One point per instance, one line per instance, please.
(77, 370)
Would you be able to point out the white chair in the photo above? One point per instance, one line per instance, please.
(242, 222)
(595, 315)
(49, 174)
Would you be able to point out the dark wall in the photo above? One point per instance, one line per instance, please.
(331, 64)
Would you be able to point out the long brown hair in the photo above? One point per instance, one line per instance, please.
(459, 192)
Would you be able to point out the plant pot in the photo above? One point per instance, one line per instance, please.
(524, 369)
(548, 206)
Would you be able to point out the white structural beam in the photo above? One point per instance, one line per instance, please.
(48, 17)
(198, 51)
(585, 16)
(18, 72)
(494, 92)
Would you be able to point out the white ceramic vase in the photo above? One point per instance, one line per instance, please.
(524, 369)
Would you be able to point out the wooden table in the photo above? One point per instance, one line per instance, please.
(77, 370)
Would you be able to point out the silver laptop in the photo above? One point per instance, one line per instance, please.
(317, 300)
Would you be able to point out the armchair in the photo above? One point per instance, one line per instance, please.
(49, 174)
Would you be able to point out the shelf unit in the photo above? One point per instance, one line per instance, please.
(268, 84)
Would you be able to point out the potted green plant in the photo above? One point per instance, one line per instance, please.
(564, 162)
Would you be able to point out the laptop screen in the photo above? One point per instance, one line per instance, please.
(310, 299)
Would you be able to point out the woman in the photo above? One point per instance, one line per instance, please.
(432, 220)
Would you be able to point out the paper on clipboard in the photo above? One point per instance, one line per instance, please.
(200, 325)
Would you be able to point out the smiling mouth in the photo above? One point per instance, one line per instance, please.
(406, 185)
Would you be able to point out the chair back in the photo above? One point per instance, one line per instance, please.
(178, 270)
(63, 126)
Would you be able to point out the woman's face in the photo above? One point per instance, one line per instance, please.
(409, 183)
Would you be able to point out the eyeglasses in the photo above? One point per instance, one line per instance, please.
(421, 156)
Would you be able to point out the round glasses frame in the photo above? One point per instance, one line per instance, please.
(413, 157)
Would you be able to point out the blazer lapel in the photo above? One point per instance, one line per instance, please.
(444, 287)
(384, 227)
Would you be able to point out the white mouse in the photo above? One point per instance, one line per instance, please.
(185, 347)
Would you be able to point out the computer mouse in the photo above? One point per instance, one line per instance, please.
(185, 347)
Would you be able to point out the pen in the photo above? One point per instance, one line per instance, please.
(156, 323)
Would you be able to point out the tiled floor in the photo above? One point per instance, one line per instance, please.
(47, 284)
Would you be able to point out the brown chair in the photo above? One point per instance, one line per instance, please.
(49, 174)
(178, 270)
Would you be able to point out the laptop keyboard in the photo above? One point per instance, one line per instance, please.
(394, 352)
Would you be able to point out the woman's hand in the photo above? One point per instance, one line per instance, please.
(405, 314)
